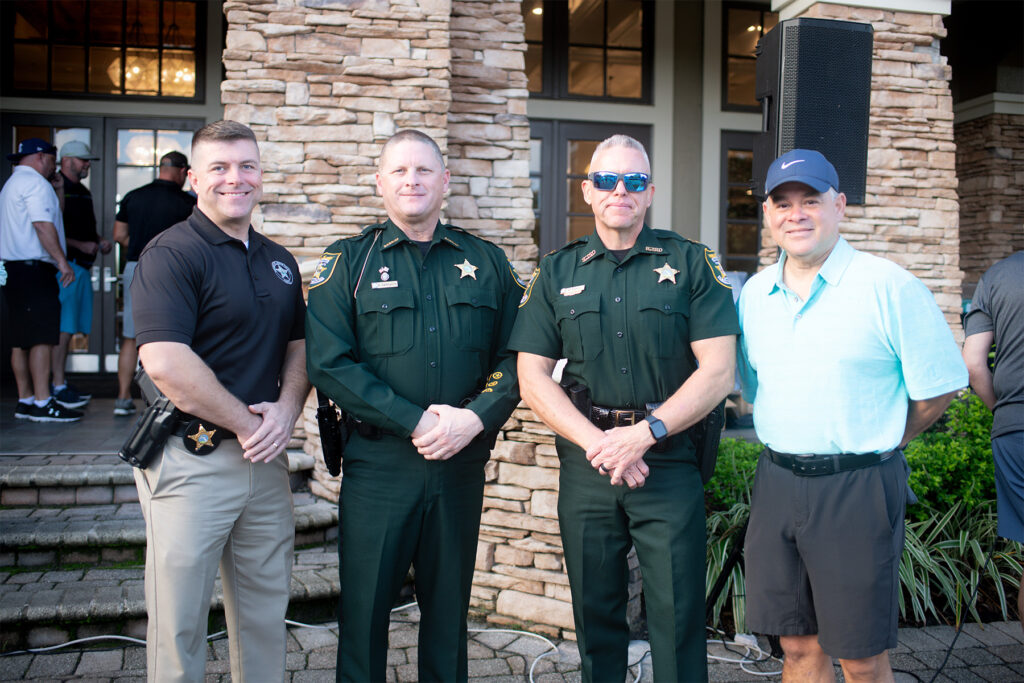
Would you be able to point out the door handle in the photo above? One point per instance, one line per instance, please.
(108, 279)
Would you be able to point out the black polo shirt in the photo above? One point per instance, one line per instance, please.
(79, 220)
(151, 209)
(237, 308)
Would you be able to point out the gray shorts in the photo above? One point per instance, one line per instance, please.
(128, 322)
(823, 554)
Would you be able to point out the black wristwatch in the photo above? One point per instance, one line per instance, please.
(658, 430)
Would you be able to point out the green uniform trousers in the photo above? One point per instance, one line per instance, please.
(398, 509)
(664, 519)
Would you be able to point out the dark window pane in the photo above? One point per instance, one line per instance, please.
(742, 264)
(140, 76)
(580, 153)
(625, 20)
(742, 239)
(741, 165)
(586, 22)
(178, 74)
(29, 67)
(30, 20)
(743, 32)
(68, 68)
(143, 23)
(741, 203)
(580, 226)
(625, 74)
(68, 20)
(533, 16)
(586, 71)
(741, 81)
(535, 68)
(179, 24)
(106, 22)
(105, 70)
(575, 194)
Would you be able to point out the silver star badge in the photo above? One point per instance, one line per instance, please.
(666, 272)
(466, 269)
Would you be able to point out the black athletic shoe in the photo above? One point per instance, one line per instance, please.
(69, 398)
(53, 412)
(21, 411)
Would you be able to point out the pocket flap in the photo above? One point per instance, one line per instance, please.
(383, 300)
(667, 303)
(572, 307)
(472, 296)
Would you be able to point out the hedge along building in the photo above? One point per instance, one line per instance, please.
(518, 94)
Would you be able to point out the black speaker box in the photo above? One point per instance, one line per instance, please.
(814, 84)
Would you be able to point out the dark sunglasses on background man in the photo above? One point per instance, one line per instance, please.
(606, 181)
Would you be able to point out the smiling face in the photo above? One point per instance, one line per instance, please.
(75, 168)
(412, 180)
(228, 181)
(804, 222)
(618, 210)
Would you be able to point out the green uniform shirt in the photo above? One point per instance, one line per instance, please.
(419, 330)
(626, 328)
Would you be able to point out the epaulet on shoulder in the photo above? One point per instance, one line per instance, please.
(669, 234)
(367, 230)
(569, 245)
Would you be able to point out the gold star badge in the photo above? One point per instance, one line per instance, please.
(202, 437)
(666, 272)
(467, 269)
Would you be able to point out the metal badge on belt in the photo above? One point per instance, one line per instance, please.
(199, 440)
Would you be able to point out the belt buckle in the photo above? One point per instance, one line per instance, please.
(804, 466)
(618, 416)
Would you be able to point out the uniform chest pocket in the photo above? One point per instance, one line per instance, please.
(385, 321)
(471, 312)
(579, 322)
(665, 320)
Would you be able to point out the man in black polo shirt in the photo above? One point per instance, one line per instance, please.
(84, 243)
(220, 322)
(144, 213)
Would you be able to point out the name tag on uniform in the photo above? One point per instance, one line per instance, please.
(384, 285)
(572, 291)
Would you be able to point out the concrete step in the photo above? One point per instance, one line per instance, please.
(98, 479)
(101, 535)
(41, 608)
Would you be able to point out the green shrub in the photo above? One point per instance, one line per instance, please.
(734, 474)
(952, 461)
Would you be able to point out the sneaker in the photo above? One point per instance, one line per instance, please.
(69, 398)
(21, 411)
(53, 412)
(78, 391)
(124, 406)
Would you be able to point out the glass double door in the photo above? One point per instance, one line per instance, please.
(129, 151)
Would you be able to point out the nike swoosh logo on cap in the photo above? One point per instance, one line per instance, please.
(787, 164)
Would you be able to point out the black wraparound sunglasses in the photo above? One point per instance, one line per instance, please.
(606, 181)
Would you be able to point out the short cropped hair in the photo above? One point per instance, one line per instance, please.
(407, 135)
(223, 131)
(620, 141)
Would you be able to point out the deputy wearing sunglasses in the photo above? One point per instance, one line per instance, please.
(646, 320)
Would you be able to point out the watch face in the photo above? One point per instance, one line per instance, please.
(658, 429)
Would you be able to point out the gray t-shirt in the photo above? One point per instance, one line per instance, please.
(998, 307)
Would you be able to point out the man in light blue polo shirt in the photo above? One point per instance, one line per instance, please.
(846, 357)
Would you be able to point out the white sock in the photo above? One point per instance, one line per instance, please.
(41, 404)
(60, 388)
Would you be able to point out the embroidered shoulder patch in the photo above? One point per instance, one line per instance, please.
(324, 269)
(715, 264)
(515, 275)
(529, 287)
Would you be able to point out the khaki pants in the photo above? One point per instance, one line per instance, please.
(202, 511)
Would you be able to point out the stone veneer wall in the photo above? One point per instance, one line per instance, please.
(911, 211)
(990, 166)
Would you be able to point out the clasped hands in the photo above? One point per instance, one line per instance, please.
(619, 454)
(272, 425)
(444, 430)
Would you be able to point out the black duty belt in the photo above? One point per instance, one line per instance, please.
(608, 418)
(814, 465)
(199, 436)
(364, 429)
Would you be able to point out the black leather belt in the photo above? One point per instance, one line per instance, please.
(181, 427)
(814, 465)
(364, 429)
(608, 418)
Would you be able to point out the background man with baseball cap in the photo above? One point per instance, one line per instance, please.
(83, 243)
(845, 357)
(33, 250)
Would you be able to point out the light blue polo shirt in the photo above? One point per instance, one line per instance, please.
(834, 374)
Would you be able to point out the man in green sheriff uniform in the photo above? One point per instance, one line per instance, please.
(408, 326)
(644, 317)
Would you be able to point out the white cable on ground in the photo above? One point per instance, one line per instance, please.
(761, 656)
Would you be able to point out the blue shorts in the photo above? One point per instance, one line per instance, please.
(1008, 453)
(76, 302)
